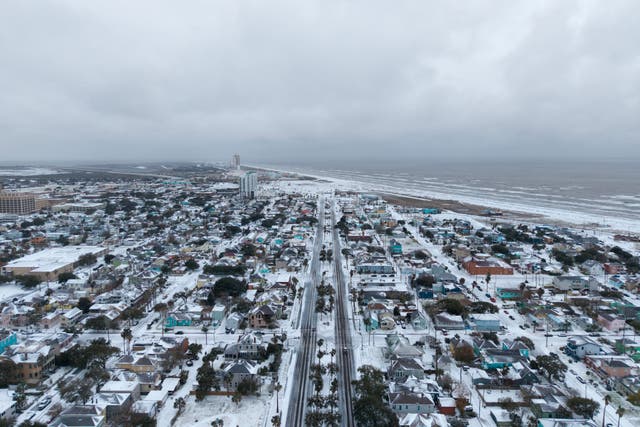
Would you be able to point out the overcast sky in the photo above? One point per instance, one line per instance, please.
(305, 80)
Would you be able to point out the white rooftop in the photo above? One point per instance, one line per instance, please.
(52, 259)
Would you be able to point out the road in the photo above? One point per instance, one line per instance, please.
(308, 322)
(344, 353)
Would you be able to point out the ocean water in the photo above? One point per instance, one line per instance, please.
(607, 189)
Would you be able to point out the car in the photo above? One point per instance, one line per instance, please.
(189, 363)
(521, 327)
(465, 368)
(179, 333)
(548, 335)
(506, 312)
(511, 317)
(579, 378)
(44, 403)
(492, 299)
(572, 371)
(487, 295)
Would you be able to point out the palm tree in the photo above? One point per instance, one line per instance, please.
(277, 388)
(620, 413)
(205, 329)
(607, 400)
(127, 336)
(162, 309)
(179, 404)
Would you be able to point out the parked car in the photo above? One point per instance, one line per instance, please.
(579, 378)
(189, 363)
(179, 332)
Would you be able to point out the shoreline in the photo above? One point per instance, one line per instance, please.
(474, 206)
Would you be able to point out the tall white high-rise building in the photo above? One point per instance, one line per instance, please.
(248, 185)
(235, 161)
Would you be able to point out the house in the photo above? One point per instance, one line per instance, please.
(15, 315)
(522, 374)
(233, 321)
(500, 417)
(399, 347)
(51, 320)
(217, 314)
(239, 371)
(7, 404)
(6, 339)
(405, 367)
(386, 320)
(592, 267)
(145, 407)
(512, 293)
(607, 366)
(71, 316)
(448, 321)
(411, 403)
(447, 406)
(80, 416)
(418, 320)
(485, 322)
(175, 319)
(581, 346)
(247, 347)
(262, 316)
(498, 358)
(138, 364)
(32, 361)
(112, 404)
(131, 387)
(575, 283)
(627, 386)
(395, 248)
(611, 322)
(565, 422)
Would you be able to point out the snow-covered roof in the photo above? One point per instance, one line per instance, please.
(53, 259)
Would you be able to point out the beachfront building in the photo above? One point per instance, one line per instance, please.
(248, 185)
(17, 203)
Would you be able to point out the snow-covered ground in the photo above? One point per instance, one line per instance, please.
(574, 217)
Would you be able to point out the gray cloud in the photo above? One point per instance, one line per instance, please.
(297, 80)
